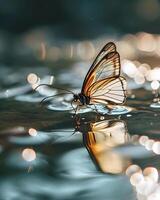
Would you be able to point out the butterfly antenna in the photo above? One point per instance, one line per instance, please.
(69, 91)
(51, 96)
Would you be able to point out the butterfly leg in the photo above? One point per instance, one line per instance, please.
(98, 114)
(73, 106)
(77, 108)
(95, 108)
(109, 109)
(75, 116)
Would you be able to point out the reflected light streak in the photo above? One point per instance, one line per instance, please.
(68, 51)
(51, 80)
(158, 46)
(43, 51)
(29, 154)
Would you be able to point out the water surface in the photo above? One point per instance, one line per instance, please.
(46, 153)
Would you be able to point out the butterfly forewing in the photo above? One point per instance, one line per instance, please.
(109, 47)
(90, 77)
(108, 67)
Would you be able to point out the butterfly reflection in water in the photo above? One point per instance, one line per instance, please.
(101, 142)
(103, 83)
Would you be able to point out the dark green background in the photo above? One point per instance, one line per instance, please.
(81, 18)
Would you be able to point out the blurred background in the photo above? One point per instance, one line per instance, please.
(34, 25)
(81, 18)
(55, 42)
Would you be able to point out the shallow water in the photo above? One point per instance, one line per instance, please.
(48, 153)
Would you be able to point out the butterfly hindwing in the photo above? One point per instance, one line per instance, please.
(111, 90)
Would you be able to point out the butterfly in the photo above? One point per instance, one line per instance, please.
(103, 83)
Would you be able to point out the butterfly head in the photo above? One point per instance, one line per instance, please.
(75, 97)
(78, 98)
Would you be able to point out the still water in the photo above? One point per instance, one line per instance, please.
(48, 153)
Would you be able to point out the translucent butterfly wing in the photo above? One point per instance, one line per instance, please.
(109, 47)
(108, 91)
(99, 65)
(108, 67)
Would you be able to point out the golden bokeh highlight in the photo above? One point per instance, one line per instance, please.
(32, 78)
(144, 182)
(32, 132)
(29, 154)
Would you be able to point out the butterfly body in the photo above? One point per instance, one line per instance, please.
(82, 99)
